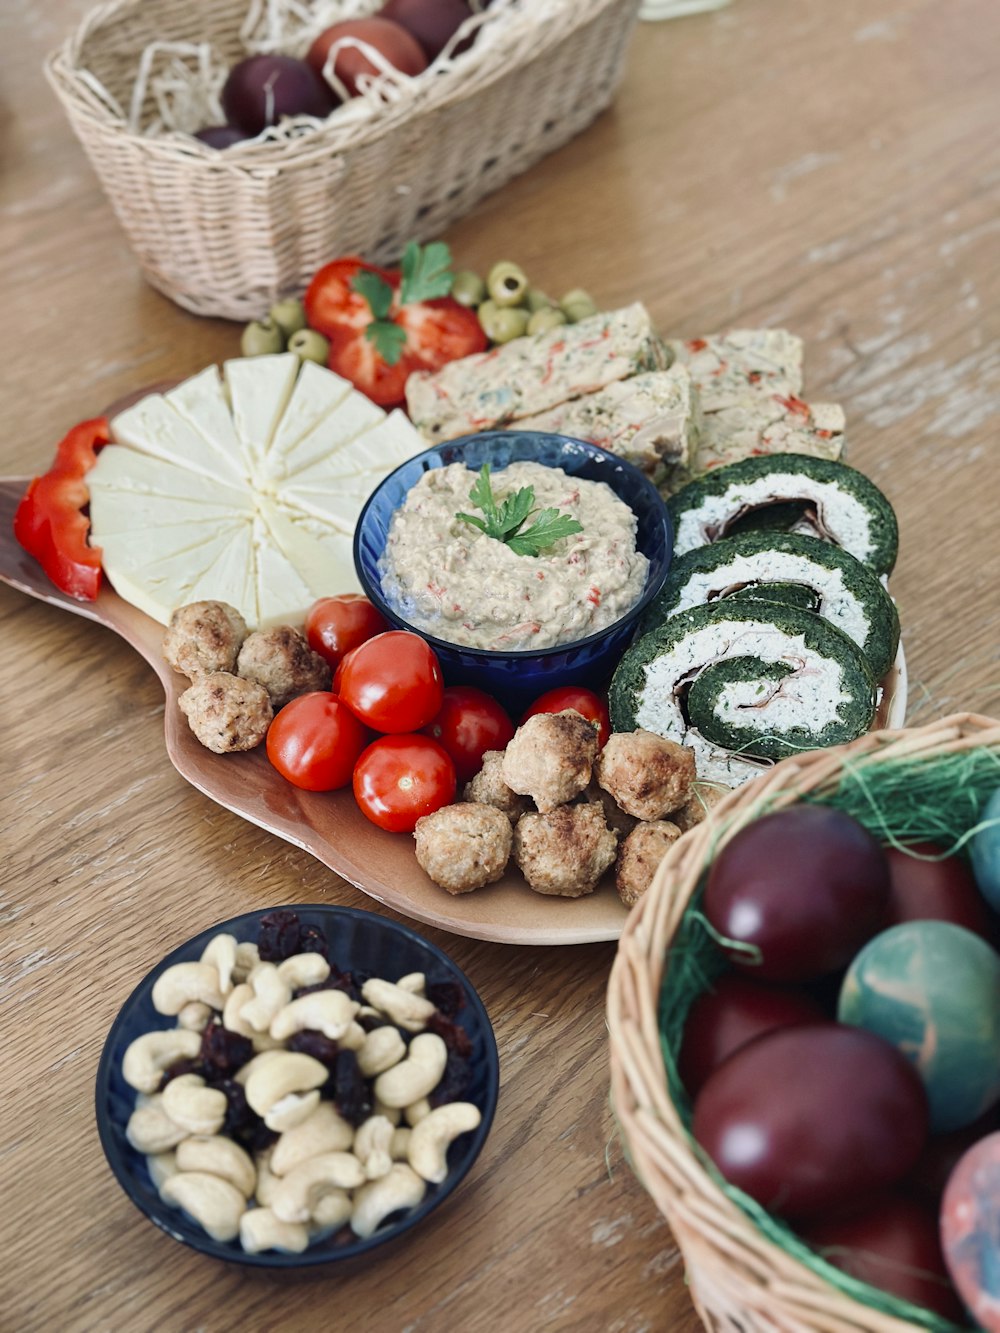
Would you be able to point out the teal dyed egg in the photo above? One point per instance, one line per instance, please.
(984, 848)
(932, 989)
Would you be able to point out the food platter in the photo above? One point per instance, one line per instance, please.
(330, 826)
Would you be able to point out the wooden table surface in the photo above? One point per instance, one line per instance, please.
(830, 167)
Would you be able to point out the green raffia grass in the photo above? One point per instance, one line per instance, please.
(936, 800)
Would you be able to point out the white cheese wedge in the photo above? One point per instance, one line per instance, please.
(249, 498)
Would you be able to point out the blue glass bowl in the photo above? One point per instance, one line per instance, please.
(517, 678)
(359, 942)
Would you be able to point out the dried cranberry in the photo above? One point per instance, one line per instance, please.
(316, 1044)
(240, 1121)
(187, 1065)
(279, 936)
(350, 1090)
(313, 940)
(447, 996)
(224, 1051)
(337, 980)
(454, 1037)
(454, 1081)
(262, 1137)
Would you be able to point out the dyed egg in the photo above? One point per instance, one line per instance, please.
(811, 1118)
(893, 1244)
(970, 1231)
(932, 989)
(985, 851)
(926, 885)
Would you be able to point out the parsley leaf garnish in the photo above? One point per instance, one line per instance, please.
(506, 522)
(426, 275)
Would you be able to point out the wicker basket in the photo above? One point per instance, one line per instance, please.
(226, 233)
(739, 1279)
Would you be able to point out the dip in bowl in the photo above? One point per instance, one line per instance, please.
(565, 636)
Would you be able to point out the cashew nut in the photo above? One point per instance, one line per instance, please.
(270, 992)
(195, 1016)
(149, 1055)
(220, 953)
(324, 1131)
(304, 969)
(261, 1230)
(374, 1202)
(247, 958)
(274, 1087)
(211, 1201)
(184, 982)
(218, 1156)
(417, 1075)
(161, 1166)
(267, 1181)
(417, 1112)
(393, 1114)
(332, 1211)
(400, 1144)
(233, 1020)
(372, 1146)
(402, 1007)
(297, 1194)
(150, 1130)
(383, 1047)
(354, 1038)
(414, 982)
(196, 1108)
(431, 1138)
(326, 1011)
(256, 1062)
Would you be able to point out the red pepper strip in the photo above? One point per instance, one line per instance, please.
(50, 523)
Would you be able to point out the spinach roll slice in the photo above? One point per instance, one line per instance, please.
(836, 503)
(742, 682)
(794, 570)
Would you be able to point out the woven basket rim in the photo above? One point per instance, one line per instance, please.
(712, 1231)
(324, 138)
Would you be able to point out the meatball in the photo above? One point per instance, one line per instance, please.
(615, 816)
(697, 806)
(282, 661)
(463, 846)
(565, 851)
(639, 855)
(203, 637)
(489, 788)
(647, 775)
(226, 713)
(551, 758)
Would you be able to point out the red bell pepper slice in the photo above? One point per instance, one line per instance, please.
(50, 523)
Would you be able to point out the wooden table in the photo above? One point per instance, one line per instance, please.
(834, 168)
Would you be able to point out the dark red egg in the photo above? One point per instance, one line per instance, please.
(262, 89)
(894, 1245)
(812, 1118)
(943, 1153)
(729, 1015)
(222, 136)
(391, 40)
(807, 887)
(936, 890)
(432, 22)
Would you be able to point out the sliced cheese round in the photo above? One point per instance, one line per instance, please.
(243, 487)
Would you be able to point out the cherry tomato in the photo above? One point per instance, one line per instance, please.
(586, 702)
(468, 724)
(335, 625)
(399, 778)
(315, 741)
(393, 682)
(338, 674)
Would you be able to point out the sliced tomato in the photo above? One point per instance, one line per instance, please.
(400, 778)
(586, 702)
(437, 331)
(50, 523)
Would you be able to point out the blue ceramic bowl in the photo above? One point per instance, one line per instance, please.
(517, 678)
(359, 942)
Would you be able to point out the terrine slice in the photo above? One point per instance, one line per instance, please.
(725, 365)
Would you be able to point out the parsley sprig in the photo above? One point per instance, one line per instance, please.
(505, 523)
(426, 275)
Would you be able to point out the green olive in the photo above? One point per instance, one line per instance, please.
(468, 288)
(261, 337)
(536, 299)
(548, 317)
(502, 324)
(290, 316)
(507, 284)
(578, 305)
(308, 345)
